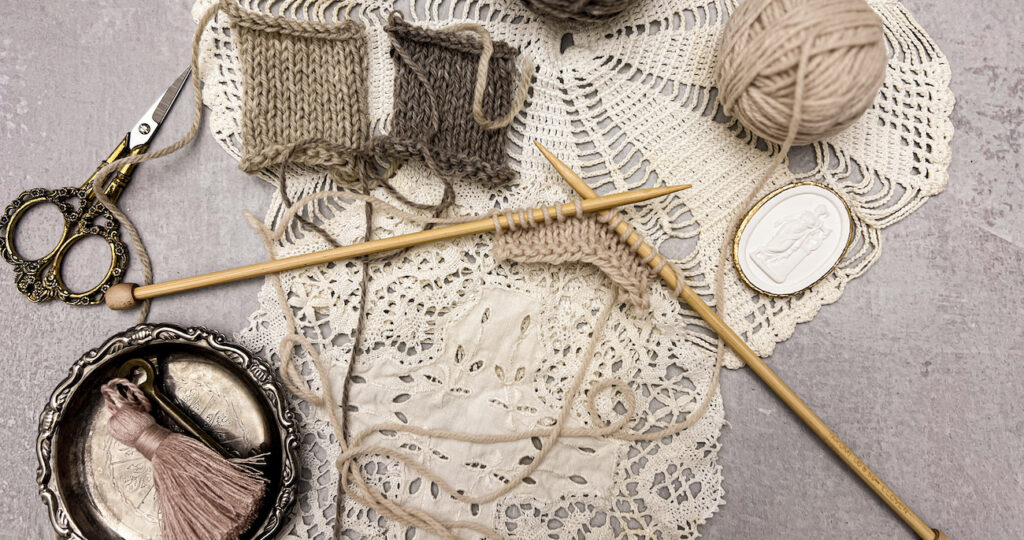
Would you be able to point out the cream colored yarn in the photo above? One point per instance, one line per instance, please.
(800, 70)
(795, 72)
(583, 239)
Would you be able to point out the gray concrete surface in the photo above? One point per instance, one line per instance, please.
(917, 367)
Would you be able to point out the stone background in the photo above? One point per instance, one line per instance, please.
(916, 368)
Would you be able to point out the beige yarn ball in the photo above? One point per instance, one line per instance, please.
(798, 71)
(579, 10)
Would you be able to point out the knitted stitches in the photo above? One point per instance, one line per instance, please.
(584, 239)
(302, 80)
(435, 77)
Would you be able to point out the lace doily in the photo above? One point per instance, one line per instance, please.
(456, 341)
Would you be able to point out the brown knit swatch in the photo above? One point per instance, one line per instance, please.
(435, 76)
(302, 80)
(579, 239)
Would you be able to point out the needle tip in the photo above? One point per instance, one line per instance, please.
(665, 190)
(546, 153)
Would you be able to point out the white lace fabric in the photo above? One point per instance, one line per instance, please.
(456, 341)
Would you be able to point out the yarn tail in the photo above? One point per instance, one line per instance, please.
(200, 494)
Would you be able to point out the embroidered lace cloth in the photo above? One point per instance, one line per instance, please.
(455, 340)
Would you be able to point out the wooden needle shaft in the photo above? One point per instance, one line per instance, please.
(757, 365)
(387, 244)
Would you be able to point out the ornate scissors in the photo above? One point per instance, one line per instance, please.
(41, 279)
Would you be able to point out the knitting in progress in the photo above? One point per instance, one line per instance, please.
(613, 256)
(447, 382)
(584, 240)
(456, 93)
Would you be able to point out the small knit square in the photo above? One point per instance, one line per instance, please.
(302, 81)
(446, 62)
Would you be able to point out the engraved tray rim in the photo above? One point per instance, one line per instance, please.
(147, 334)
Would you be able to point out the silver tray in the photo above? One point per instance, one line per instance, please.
(95, 487)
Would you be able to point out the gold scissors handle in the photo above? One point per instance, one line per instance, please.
(83, 216)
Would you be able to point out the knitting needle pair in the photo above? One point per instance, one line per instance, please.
(127, 295)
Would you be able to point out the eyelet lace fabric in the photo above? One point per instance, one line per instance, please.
(457, 341)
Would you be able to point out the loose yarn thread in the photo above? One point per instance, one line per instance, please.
(351, 481)
(483, 66)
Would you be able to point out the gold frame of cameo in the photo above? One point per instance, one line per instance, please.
(736, 255)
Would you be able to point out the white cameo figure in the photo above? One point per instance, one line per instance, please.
(793, 239)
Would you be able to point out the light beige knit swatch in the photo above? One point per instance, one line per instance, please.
(302, 80)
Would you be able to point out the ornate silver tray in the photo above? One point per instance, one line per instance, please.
(95, 487)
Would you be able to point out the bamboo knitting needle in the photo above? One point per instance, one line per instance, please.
(758, 366)
(128, 295)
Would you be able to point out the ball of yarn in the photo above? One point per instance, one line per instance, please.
(798, 71)
(579, 10)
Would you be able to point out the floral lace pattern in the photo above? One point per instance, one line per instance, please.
(456, 341)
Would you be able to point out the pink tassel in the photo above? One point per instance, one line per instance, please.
(200, 494)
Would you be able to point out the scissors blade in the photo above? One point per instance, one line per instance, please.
(143, 131)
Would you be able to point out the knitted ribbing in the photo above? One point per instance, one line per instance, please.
(433, 120)
(302, 80)
(582, 239)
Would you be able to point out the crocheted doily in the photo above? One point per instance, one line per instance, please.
(628, 103)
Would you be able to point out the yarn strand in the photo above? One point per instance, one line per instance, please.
(483, 66)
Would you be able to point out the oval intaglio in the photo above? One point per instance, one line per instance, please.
(792, 238)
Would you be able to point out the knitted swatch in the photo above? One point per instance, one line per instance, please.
(579, 239)
(302, 80)
(435, 79)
